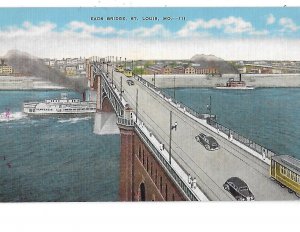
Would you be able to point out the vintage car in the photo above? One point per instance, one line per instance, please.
(207, 141)
(130, 82)
(238, 189)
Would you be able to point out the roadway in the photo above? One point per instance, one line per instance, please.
(211, 168)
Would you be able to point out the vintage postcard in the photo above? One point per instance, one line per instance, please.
(149, 104)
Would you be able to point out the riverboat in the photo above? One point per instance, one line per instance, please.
(233, 84)
(64, 105)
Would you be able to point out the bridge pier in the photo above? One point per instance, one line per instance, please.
(142, 176)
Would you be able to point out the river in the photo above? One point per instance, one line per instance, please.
(60, 159)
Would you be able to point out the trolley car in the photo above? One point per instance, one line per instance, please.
(128, 72)
(285, 169)
(119, 68)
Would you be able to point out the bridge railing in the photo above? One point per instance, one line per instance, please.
(166, 95)
(247, 142)
(125, 122)
(185, 188)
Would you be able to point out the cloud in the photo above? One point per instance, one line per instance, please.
(144, 32)
(288, 24)
(80, 39)
(28, 30)
(271, 19)
(154, 31)
(230, 25)
(77, 26)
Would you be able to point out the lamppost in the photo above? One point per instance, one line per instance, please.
(209, 107)
(112, 77)
(174, 88)
(170, 142)
(107, 69)
(153, 79)
(143, 68)
(132, 65)
(121, 93)
(136, 105)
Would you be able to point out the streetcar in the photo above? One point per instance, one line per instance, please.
(128, 72)
(285, 169)
(119, 68)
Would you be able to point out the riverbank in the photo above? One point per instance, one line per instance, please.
(257, 80)
(26, 83)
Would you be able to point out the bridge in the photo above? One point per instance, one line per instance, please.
(160, 158)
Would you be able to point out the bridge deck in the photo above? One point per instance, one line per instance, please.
(211, 168)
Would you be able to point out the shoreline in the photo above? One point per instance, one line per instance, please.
(8, 83)
(203, 81)
(13, 83)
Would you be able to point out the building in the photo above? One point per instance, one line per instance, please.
(159, 69)
(190, 70)
(68, 61)
(5, 69)
(74, 61)
(70, 70)
(52, 62)
(266, 70)
(80, 67)
(46, 61)
(276, 71)
(61, 62)
(167, 70)
(207, 70)
(178, 70)
(242, 70)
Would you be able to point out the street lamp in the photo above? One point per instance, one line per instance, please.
(209, 111)
(132, 66)
(153, 79)
(142, 64)
(209, 107)
(172, 127)
(136, 105)
(174, 88)
(122, 91)
(112, 77)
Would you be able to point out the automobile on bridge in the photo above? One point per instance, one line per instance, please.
(130, 82)
(238, 189)
(208, 142)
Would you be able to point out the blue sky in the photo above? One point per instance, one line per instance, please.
(62, 16)
(241, 28)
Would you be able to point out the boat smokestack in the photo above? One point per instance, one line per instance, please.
(240, 77)
(83, 96)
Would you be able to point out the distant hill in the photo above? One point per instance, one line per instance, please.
(27, 64)
(212, 61)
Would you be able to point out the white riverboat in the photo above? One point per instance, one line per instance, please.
(64, 105)
(233, 84)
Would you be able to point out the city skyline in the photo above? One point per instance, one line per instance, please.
(249, 33)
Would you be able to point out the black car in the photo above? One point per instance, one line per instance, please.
(130, 82)
(208, 142)
(239, 189)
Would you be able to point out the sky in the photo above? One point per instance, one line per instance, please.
(231, 33)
